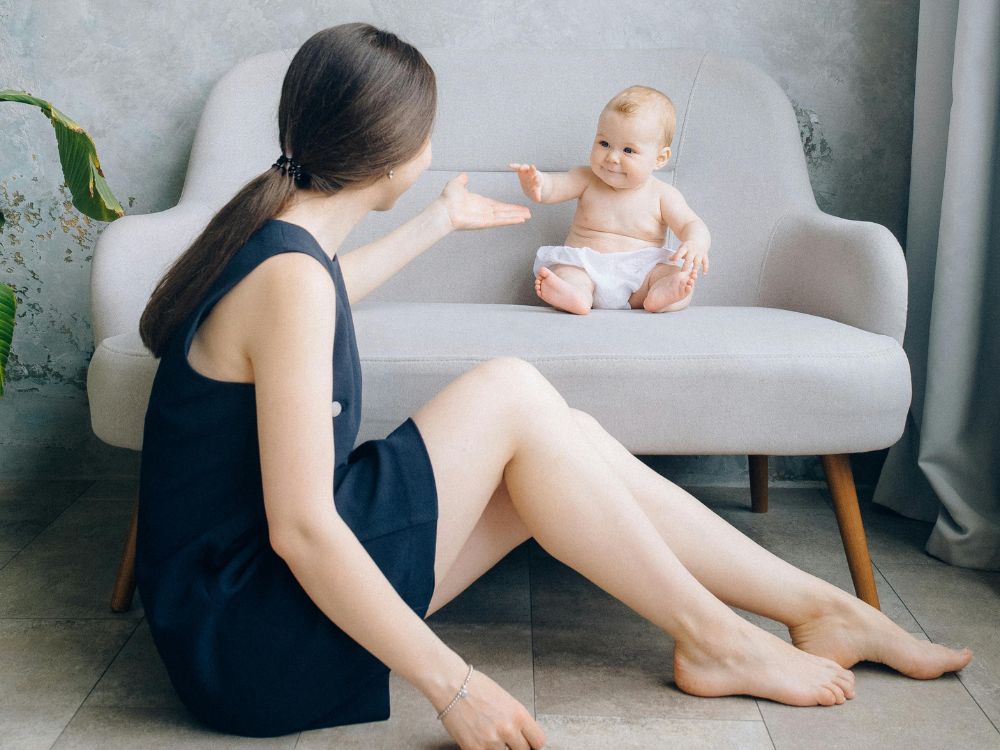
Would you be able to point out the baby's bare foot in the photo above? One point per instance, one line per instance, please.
(670, 292)
(850, 630)
(751, 661)
(560, 293)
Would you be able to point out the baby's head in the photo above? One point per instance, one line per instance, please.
(633, 138)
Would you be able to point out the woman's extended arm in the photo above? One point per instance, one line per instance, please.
(369, 266)
(291, 351)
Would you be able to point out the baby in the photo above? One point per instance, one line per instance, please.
(614, 255)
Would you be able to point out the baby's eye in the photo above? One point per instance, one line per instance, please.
(628, 150)
(603, 144)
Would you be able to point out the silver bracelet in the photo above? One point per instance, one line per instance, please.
(462, 692)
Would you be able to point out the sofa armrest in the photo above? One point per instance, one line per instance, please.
(853, 272)
(131, 256)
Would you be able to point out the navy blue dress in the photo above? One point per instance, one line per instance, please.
(245, 647)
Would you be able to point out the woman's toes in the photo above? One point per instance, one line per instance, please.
(826, 696)
(846, 686)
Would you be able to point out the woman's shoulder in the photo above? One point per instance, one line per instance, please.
(282, 257)
(289, 284)
(296, 301)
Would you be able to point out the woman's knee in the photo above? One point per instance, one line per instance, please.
(585, 419)
(519, 390)
(516, 378)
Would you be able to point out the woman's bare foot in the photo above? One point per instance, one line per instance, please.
(671, 291)
(560, 293)
(850, 630)
(747, 660)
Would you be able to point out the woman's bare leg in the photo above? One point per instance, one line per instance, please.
(822, 618)
(504, 421)
(498, 531)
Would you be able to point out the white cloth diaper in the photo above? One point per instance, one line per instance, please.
(615, 275)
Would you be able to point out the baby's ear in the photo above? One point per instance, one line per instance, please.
(663, 157)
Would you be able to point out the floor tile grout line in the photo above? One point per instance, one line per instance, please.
(74, 618)
(974, 700)
(958, 676)
(627, 718)
(905, 605)
(59, 515)
(97, 682)
(764, 722)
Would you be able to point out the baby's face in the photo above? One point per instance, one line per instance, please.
(627, 148)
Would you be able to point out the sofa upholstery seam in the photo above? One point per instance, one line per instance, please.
(612, 357)
(683, 133)
(767, 255)
(684, 121)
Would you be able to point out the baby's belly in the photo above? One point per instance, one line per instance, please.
(608, 242)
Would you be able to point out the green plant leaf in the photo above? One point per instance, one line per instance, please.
(8, 303)
(80, 165)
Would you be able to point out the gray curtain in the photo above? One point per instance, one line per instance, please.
(946, 468)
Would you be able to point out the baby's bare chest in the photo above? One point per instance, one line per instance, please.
(632, 215)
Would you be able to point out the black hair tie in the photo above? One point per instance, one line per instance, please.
(288, 165)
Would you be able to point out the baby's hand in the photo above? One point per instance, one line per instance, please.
(693, 254)
(531, 180)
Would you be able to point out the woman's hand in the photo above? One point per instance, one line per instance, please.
(489, 717)
(472, 211)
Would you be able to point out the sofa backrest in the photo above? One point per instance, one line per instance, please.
(737, 158)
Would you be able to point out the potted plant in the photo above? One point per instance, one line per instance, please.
(85, 180)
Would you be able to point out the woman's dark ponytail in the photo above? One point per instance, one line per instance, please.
(356, 101)
(187, 281)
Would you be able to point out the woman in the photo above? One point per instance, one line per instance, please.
(283, 573)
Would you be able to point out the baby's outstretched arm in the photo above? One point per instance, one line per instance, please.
(551, 187)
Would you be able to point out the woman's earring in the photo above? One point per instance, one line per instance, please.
(391, 173)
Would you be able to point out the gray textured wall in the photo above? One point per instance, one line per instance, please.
(137, 80)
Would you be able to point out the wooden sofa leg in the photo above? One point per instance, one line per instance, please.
(840, 479)
(121, 598)
(758, 484)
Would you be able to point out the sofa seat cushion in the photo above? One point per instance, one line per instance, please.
(719, 380)
(722, 380)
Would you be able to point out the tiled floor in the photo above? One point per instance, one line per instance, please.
(75, 675)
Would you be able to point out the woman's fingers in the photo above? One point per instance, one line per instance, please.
(524, 733)
(533, 733)
(513, 207)
(499, 220)
(507, 213)
(515, 740)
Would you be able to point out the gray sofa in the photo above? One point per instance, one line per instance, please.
(792, 345)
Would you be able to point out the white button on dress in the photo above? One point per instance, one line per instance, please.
(336, 408)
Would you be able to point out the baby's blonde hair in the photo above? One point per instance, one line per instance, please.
(631, 100)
